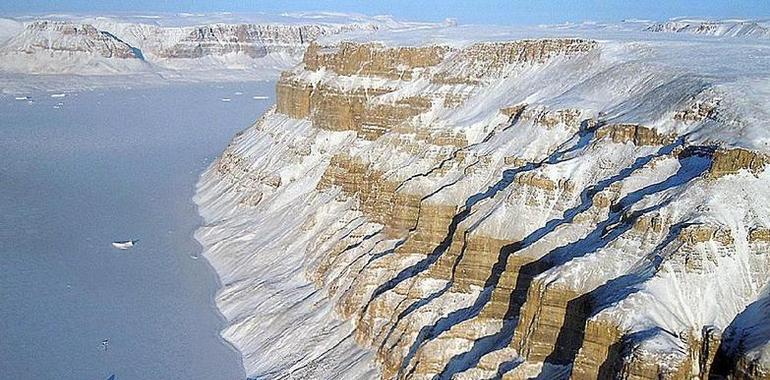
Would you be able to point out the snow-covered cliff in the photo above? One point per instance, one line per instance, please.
(485, 202)
(716, 28)
(56, 47)
(103, 45)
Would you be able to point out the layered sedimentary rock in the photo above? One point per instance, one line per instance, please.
(347, 59)
(251, 40)
(731, 161)
(532, 225)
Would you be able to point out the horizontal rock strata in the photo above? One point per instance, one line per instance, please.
(510, 236)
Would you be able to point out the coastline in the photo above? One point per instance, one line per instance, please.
(211, 271)
(278, 319)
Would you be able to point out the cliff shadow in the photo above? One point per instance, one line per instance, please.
(586, 203)
(579, 310)
(747, 331)
(693, 163)
(581, 139)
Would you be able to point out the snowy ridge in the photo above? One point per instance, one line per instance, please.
(478, 202)
(170, 45)
(716, 28)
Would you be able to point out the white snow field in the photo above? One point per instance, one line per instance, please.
(112, 165)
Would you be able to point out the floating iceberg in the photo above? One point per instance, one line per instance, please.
(124, 244)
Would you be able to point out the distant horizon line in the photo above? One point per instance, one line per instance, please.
(150, 15)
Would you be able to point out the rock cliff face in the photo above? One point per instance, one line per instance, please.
(486, 210)
(217, 40)
(250, 40)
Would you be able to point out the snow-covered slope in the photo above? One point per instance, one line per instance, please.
(62, 47)
(474, 202)
(717, 28)
(9, 28)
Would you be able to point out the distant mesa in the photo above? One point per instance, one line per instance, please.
(114, 46)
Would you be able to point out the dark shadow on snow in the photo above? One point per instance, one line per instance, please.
(579, 310)
(506, 179)
(693, 161)
(583, 137)
(740, 336)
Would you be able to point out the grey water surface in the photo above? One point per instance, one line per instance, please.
(112, 164)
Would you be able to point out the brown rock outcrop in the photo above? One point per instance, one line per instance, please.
(731, 161)
(293, 97)
(703, 233)
(600, 353)
(372, 59)
(759, 234)
(697, 111)
(551, 118)
(636, 134)
(748, 369)
(479, 61)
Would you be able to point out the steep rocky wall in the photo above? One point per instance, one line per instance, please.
(293, 97)
(372, 59)
(730, 161)
(533, 239)
(252, 40)
(636, 134)
(481, 61)
(107, 45)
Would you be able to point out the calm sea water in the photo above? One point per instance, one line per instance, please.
(112, 165)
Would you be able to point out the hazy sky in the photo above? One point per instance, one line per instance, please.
(468, 12)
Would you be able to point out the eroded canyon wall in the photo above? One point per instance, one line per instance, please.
(468, 220)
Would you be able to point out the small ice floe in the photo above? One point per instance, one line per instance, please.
(23, 98)
(124, 244)
(58, 95)
(226, 99)
(260, 97)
